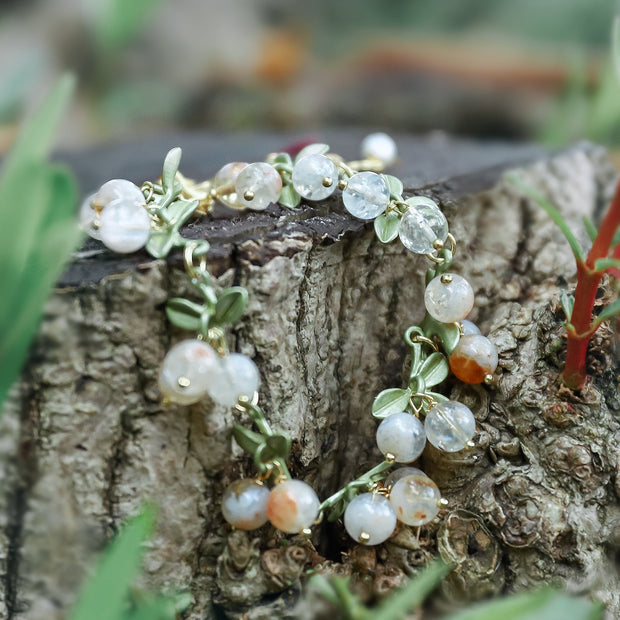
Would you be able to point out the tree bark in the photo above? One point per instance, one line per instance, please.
(85, 438)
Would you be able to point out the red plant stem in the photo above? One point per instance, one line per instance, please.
(588, 280)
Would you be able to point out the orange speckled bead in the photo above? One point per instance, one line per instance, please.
(292, 506)
(473, 358)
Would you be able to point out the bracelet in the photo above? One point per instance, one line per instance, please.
(127, 218)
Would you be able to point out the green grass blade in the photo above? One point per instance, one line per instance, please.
(608, 312)
(120, 21)
(104, 596)
(600, 264)
(590, 228)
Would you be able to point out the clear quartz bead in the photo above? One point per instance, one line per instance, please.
(422, 224)
(262, 182)
(244, 504)
(402, 435)
(239, 376)
(468, 328)
(309, 174)
(473, 358)
(292, 506)
(415, 499)
(370, 519)
(366, 195)
(188, 371)
(450, 425)
(449, 298)
(115, 189)
(401, 472)
(379, 146)
(224, 183)
(125, 225)
(89, 218)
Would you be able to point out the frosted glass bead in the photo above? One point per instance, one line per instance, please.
(366, 195)
(188, 370)
(224, 183)
(370, 514)
(468, 328)
(118, 188)
(449, 298)
(125, 226)
(262, 182)
(401, 434)
(450, 425)
(399, 473)
(310, 172)
(473, 358)
(88, 216)
(244, 504)
(422, 224)
(415, 499)
(292, 506)
(379, 146)
(239, 376)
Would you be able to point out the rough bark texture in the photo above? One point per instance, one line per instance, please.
(85, 438)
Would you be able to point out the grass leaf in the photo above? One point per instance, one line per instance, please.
(590, 228)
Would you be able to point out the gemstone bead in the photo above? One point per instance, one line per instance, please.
(415, 499)
(449, 298)
(125, 225)
(379, 146)
(239, 376)
(244, 504)
(188, 370)
(422, 224)
(372, 515)
(401, 472)
(366, 195)
(292, 506)
(468, 328)
(115, 189)
(88, 217)
(224, 183)
(262, 182)
(473, 358)
(450, 425)
(402, 435)
(309, 175)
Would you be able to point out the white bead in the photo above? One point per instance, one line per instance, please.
(264, 183)
(468, 328)
(415, 499)
(399, 473)
(188, 370)
(371, 514)
(366, 195)
(292, 506)
(118, 188)
(310, 172)
(89, 218)
(402, 435)
(125, 226)
(380, 146)
(244, 504)
(449, 298)
(450, 425)
(224, 183)
(239, 377)
(422, 224)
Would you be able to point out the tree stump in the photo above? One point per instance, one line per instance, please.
(85, 438)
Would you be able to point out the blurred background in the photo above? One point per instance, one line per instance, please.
(492, 69)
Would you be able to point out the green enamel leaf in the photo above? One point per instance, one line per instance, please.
(386, 227)
(289, 197)
(171, 167)
(435, 369)
(184, 313)
(567, 302)
(180, 211)
(248, 440)
(448, 333)
(395, 186)
(392, 400)
(278, 446)
(440, 398)
(317, 148)
(417, 384)
(230, 306)
(282, 159)
(161, 242)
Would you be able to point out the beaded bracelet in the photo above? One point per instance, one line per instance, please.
(126, 218)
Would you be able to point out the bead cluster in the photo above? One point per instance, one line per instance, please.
(126, 218)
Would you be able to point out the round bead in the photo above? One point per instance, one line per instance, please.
(422, 224)
(292, 506)
(379, 146)
(239, 376)
(188, 370)
(244, 504)
(262, 182)
(88, 216)
(415, 499)
(370, 514)
(401, 434)
(468, 328)
(224, 183)
(449, 298)
(473, 358)
(118, 188)
(309, 175)
(399, 473)
(366, 195)
(450, 425)
(125, 226)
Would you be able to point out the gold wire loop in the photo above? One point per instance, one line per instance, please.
(429, 399)
(452, 241)
(436, 259)
(423, 339)
(190, 264)
(147, 186)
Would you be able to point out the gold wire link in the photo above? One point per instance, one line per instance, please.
(452, 241)
(379, 489)
(147, 186)
(202, 191)
(190, 265)
(452, 247)
(424, 339)
(271, 468)
(217, 339)
(243, 402)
